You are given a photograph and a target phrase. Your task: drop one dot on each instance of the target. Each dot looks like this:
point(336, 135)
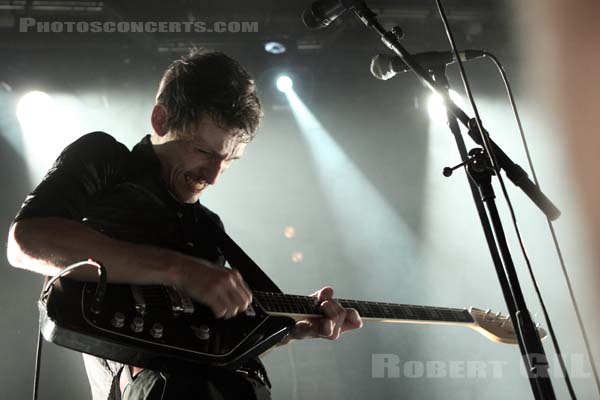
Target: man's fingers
point(327, 327)
point(306, 328)
point(324, 294)
point(219, 306)
point(244, 289)
point(238, 293)
point(337, 314)
point(352, 321)
point(335, 320)
point(229, 296)
point(223, 290)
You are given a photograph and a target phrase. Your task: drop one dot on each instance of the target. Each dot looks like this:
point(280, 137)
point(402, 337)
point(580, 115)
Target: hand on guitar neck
point(335, 321)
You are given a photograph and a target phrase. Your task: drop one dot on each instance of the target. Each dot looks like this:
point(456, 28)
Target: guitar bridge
point(180, 303)
point(250, 311)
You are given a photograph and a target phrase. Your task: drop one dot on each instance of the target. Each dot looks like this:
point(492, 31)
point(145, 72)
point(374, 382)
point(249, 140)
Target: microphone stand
point(480, 172)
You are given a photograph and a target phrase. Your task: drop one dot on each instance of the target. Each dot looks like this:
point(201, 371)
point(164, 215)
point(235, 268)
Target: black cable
point(38, 357)
point(488, 147)
point(559, 253)
point(99, 295)
point(529, 267)
point(100, 289)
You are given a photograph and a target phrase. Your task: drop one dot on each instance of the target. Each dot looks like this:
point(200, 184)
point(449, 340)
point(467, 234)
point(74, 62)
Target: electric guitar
point(159, 328)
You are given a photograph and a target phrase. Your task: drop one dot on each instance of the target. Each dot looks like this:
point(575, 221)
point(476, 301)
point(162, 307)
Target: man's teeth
point(193, 182)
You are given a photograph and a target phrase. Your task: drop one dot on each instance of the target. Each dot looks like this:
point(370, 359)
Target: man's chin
point(188, 197)
point(192, 199)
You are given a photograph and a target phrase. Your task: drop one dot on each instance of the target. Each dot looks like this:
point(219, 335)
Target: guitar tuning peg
point(498, 314)
point(487, 312)
point(507, 319)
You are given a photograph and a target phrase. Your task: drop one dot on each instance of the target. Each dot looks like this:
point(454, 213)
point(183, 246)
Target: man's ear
point(158, 119)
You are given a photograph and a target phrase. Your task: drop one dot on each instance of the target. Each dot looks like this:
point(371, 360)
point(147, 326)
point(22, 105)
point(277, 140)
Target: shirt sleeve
point(84, 168)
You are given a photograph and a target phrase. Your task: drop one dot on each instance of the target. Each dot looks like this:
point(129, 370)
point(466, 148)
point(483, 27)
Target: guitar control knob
point(137, 325)
point(156, 331)
point(202, 332)
point(118, 320)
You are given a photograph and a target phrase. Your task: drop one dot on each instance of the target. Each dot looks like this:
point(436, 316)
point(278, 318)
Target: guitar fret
point(422, 313)
point(295, 304)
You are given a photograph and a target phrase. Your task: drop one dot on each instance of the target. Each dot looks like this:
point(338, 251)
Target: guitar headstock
point(497, 327)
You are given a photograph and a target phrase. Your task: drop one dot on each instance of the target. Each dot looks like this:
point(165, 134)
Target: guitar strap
point(238, 259)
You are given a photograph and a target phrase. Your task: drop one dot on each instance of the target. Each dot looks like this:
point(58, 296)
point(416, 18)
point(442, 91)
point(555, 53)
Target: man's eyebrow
point(206, 147)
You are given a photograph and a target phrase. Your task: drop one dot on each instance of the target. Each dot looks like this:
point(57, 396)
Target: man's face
point(190, 163)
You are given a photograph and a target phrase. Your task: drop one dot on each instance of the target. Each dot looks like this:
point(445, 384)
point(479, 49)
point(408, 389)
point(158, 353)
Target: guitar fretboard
point(305, 305)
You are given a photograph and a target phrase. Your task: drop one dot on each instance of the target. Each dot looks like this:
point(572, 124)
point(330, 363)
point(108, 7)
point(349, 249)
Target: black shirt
point(98, 181)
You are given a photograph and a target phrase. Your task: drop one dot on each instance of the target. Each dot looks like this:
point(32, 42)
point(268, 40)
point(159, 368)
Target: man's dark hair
point(213, 84)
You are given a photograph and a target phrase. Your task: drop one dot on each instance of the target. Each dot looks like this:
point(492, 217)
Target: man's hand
point(223, 290)
point(336, 319)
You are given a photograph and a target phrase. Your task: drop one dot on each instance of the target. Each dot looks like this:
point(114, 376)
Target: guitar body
point(154, 327)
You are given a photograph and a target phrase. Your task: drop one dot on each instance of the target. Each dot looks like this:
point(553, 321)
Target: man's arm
point(48, 245)
point(47, 235)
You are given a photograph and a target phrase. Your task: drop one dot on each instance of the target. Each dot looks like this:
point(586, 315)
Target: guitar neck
point(305, 306)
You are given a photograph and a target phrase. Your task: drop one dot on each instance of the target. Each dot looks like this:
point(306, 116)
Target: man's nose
point(216, 168)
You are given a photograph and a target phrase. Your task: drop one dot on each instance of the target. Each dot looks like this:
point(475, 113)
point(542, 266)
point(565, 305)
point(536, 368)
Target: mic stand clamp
point(475, 157)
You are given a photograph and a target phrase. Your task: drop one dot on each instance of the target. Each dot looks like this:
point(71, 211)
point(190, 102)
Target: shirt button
point(180, 215)
point(189, 244)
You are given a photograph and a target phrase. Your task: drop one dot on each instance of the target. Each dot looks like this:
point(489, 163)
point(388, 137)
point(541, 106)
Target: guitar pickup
point(138, 299)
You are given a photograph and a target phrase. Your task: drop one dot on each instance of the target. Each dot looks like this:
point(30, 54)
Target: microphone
point(321, 13)
point(385, 66)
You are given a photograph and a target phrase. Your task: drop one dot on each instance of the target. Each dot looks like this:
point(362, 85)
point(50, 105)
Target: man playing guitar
point(138, 212)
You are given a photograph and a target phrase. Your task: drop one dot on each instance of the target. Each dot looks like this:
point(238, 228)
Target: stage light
point(48, 124)
point(34, 108)
point(289, 232)
point(383, 237)
point(437, 109)
point(297, 257)
point(284, 83)
point(275, 48)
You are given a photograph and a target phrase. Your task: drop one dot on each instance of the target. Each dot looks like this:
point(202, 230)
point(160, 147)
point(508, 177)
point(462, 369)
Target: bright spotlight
point(48, 123)
point(34, 107)
point(275, 48)
point(284, 83)
point(384, 237)
point(437, 109)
